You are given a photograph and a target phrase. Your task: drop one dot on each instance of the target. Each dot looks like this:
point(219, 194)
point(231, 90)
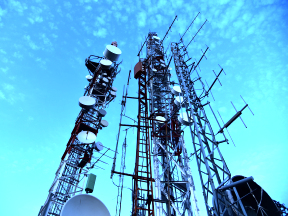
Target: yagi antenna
point(201, 58)
point(142, 46)
point(238, 113)
point(210, 91)
point(168, 29)
point(196, 33)
point(247, 105)
point(218, 78)
point(203, 53)
point(239, 116)
point(181, 38)
point(226, 129)
point(222, 69)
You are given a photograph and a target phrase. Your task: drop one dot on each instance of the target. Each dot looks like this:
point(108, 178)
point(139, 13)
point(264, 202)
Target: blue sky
point(43, 45)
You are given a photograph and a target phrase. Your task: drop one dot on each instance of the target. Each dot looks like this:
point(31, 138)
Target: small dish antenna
point(84, 204)
point(105, 64)
point(89, 77)
point(86, 137)
point(156, 38)
point(179, 100)
point(87, 102)
point(112, 53)
point(183, 119)
point(104, 123)
point(160, 120)
point(176, 90)
point(98, 146)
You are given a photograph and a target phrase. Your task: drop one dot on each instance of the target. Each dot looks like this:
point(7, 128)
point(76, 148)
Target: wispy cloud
point(30, 42)
point(17, 6)
point(8, 87)
point(142, 19)
point(101, 32)
point(4, 70)
point(2, 95)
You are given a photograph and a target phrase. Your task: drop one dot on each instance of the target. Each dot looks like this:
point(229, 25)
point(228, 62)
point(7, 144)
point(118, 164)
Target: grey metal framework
point(174, 184)
point(212, 168)
point(78, 158)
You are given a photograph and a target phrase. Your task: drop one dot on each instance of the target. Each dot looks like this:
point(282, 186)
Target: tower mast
point(77, 159)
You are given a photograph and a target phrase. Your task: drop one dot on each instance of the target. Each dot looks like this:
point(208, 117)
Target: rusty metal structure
point(82, 153)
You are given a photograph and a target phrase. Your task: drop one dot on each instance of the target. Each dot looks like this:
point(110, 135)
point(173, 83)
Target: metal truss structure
point(174, 184)
point(78, 158)
point(165, 109)
point(213, 170)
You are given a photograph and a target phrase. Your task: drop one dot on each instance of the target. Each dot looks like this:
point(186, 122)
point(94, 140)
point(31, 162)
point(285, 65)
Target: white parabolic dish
point(105, 64)
point(112, 53)
point(183, 118)
point(179, 100)
point(98, 146)
point(86, 137)
point(160, 119)
point(84, 205)
point(86, 102)
point(176, 90)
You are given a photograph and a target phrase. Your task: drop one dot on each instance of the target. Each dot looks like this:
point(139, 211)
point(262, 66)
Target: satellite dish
point(154, 70)
point(178, 100)
point(89, 77)
point(86, 137)
point(156, 38)
point(101, 112)
point(112, 53)
point(104, 123)
point(113, 93)
point(84, 205)
point(176, 90)
point(105, 64)
point(114, 89)
point(98, 146)
point(184, 119)
point(160, 120)
point(105, 80)
point(86, 102)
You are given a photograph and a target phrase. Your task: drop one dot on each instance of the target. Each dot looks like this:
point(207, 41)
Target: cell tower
point(162, 180)
point(82, 153)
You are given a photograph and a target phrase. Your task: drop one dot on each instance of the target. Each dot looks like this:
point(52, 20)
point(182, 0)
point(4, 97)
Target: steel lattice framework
point(78, 158)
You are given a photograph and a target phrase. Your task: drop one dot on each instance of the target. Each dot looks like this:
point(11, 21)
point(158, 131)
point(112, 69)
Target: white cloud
point(101, 20)
point(52, 26)
point(17, 55)
point(142, 19)
point(2, 96)
point(30, 42)
point(18, 6)
point(67, 5)
point(30, 118)
point(88, 8)
point(35, 16)
point(102, 32)
point(2, 51)
point(4, 70)
point(8, 87)
point(2, 13)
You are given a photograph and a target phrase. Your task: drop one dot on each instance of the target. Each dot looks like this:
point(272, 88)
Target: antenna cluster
point(83, 153)
point(162, 180)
